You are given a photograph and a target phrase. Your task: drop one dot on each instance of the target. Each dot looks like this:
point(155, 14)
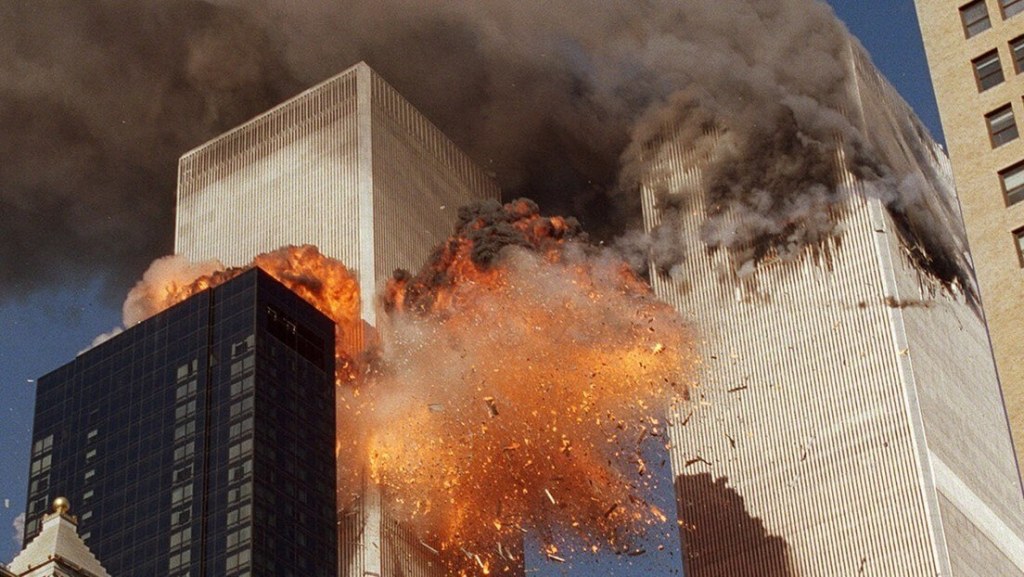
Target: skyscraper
point(351, 167)
point(200, 441)
point(348, 165)
point(849, 418)
point(976, 57)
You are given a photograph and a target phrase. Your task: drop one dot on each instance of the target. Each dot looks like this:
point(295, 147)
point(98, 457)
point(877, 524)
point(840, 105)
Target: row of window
point(988, 72)
point(988, 68)
point(975, 19)
point(179, 561)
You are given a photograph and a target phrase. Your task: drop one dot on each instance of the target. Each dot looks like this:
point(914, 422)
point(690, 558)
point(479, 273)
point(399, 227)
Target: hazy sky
point(46, 329)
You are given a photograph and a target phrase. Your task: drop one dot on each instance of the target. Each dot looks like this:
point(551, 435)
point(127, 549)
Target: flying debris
point(543, 363)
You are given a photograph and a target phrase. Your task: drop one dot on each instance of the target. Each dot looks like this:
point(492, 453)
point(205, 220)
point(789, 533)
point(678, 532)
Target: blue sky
point(42, 332)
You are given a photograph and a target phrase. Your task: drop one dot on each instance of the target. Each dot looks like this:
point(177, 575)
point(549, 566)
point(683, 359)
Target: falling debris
point(492, 407)
point(550, 498)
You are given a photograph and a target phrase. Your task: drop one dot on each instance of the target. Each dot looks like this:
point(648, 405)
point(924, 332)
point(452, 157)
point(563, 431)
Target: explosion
point(521, 379)
point(322, 281)
point(517, 384)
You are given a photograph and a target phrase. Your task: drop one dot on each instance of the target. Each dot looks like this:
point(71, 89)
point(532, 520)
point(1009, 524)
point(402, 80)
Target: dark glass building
point(199, 442)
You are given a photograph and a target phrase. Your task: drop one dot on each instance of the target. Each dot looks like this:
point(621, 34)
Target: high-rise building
point(200, 441)
point(849, 418)
point(348, 165)
point(976, 57)
point(351, 167)
point(57, 551)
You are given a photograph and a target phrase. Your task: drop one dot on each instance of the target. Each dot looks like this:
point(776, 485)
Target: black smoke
point(100, 98)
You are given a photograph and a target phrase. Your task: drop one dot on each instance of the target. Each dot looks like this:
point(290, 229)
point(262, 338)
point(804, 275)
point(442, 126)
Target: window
point(1018, 239)
point(44, 444)
point(1011, 7)
point(974, 16)
point(1012, 179)
point(1001, 126)
point(987, 70)
point(1017, 52)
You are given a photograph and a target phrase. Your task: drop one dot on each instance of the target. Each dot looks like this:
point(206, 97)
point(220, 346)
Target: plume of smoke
point(163, 277)
point(19, 528)
point(549, 97)
point(525, 401)
point(518, 381)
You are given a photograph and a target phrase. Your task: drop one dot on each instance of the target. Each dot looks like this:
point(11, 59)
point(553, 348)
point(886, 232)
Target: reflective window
point(1017, 52)
point(974, 17)
point(1001, 126)
point(1012, 179)
point(1011, 7)
point(1018, 239)
point(988, 72)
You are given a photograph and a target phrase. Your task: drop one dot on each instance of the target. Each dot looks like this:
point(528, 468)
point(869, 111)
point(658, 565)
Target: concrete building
point(199, 441)
point(348, 165)
point(976, 56)
point(849, 419)
point(351, 167)
point(57, 551)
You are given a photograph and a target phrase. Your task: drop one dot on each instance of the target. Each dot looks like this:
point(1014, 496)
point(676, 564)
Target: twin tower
point(848, 418)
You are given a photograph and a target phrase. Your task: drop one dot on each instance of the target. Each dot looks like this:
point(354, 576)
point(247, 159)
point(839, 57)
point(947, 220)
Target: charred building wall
point(848, 397)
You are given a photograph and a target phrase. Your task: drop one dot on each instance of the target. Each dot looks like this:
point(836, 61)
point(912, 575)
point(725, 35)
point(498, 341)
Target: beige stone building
point(976, 55)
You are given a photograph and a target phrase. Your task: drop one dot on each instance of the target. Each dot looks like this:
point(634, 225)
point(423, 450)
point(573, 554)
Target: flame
point(518, 387)
point(515, 384)
point(323, 282)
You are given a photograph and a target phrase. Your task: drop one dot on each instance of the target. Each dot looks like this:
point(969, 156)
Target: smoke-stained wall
point(848, 393)
point(548, 97)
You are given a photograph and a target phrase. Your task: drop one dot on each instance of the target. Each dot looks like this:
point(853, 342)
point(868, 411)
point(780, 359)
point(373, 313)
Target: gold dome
point(61, 505)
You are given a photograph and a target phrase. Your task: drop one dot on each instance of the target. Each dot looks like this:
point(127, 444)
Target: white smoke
point(19, 529)
point(147, 296)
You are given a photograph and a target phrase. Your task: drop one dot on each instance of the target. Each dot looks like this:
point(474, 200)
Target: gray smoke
point(100, 97)
point(18, 525)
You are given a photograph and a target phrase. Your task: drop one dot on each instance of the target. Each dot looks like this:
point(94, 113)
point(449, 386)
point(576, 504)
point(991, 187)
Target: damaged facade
point(864, 437)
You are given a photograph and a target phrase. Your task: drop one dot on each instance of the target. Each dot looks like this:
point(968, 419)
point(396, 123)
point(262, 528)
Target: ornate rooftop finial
point(61, 505)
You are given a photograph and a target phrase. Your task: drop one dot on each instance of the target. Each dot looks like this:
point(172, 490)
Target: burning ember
point(521, 376)
point(320, 280)
point(518, 384)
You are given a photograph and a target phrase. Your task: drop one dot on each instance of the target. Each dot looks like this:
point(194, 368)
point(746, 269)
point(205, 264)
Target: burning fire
point(322, 281)
point(522, 376)
point(517, 384)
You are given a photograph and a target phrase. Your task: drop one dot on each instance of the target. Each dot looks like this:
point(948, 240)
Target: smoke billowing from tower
point(557, 101)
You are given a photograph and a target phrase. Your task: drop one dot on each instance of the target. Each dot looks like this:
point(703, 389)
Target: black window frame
point(971, 27)
point(1000, 135)
point(982, 80)
point(1015, 195)
point(1018, 243)
point(1016, 7)
point(1016, 47)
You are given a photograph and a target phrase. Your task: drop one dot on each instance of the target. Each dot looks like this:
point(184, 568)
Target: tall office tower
point(57, 551)
point(200, 441)
point(849, 420)
point(348, 165)
point(976, 57)
point(351, 167)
